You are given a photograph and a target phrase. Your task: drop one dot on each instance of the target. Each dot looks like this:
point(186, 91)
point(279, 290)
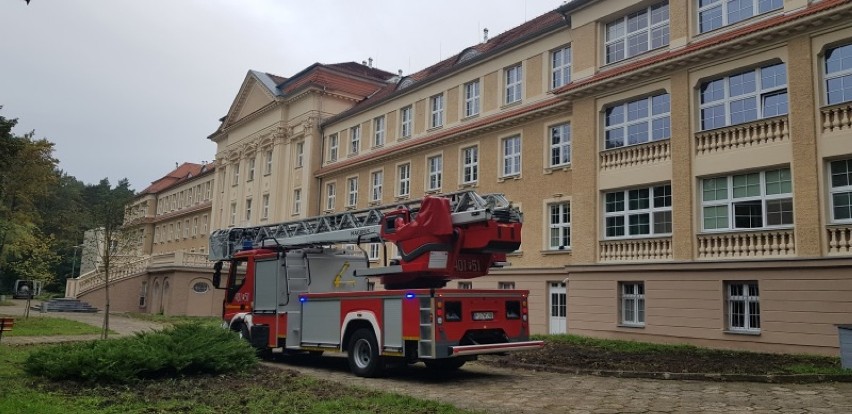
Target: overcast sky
point(128, 88)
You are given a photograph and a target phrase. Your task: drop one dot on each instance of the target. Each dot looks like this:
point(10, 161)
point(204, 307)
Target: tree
point(112, 241)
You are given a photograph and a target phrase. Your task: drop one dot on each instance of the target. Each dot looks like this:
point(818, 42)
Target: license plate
point(483, 316)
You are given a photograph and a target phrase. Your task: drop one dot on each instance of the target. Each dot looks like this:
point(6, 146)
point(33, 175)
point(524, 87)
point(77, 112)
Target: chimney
point(370, 62)
point(399, 72)
point(485, 35)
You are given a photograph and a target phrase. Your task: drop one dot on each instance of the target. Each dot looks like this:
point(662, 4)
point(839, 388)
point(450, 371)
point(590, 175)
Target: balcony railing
point(837, 117)
point(764, 131)
point(777, 243)
point(839, 240)
point(633, 250)
point(635, 155)
point(95, 279)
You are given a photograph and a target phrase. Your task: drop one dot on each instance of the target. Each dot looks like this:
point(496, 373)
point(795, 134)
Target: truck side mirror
point(217, 274)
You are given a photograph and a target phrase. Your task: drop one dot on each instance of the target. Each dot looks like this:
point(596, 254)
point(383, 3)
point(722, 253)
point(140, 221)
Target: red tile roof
point(182, 173)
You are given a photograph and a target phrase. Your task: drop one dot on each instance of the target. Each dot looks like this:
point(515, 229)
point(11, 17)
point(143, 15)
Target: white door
point(558, 308)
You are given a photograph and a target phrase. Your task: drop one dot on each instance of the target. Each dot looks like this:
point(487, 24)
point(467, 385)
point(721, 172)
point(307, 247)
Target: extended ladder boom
point(356, 226)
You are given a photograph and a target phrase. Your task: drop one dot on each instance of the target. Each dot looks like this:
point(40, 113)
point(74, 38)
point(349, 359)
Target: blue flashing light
point(247, 245)
point(303, 299)
point(409, 295)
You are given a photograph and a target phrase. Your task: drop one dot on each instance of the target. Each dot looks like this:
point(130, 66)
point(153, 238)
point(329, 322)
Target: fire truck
point(304, 286)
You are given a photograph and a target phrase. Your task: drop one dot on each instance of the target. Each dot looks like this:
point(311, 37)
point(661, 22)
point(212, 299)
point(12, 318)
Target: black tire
point(444, 365)
point(363, 354)
point(244, 333)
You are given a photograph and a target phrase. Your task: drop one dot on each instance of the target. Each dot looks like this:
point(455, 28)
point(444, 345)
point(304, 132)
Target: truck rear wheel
point(363, 354)
point(445, 365)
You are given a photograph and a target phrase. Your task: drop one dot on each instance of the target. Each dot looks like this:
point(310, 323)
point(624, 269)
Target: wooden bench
point(6, 325)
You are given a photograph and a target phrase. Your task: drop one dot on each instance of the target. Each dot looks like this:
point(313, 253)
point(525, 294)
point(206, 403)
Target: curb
point(684, 376)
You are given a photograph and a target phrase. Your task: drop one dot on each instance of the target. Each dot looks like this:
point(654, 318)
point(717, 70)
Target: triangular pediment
point(258, 90)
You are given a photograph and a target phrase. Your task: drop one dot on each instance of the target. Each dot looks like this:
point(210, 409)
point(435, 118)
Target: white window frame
point(403, 177)
point(710, 185)
point(514, 81)
point(330, 195)
point(711, 5)
point(268, 169)
point(354, 139)
point(333, 147)
point(235, 182)
point(471, 98)
point(560, 145)
point(352, 191)
point(436, 105)
point(374, 252)
point(844, 74)
point(435, 165)
point(840, 190)
point(265, 207)
point(470, 164)
point(655, 212)
point(233, 213)
point(379, 131)
point(559, 225)
point(632, 301)
point(186, 229)
point(506, 285)
point(251, 163)
point(560, 67)
point(657, 118)
point(742, 298)
point(406, 117)
point(300, 154)
point(194, 226)
point(726, 102)
point(297, 201)
point(376, 183)
point(248, 210)
point(511, 156)
point(465, 285)
point(205, 224)
point(619, 34)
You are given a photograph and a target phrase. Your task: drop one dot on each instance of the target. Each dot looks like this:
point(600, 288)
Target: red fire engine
point(302, 286)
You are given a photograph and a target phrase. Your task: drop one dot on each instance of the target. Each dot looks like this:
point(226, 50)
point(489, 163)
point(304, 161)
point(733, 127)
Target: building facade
point(684, 167)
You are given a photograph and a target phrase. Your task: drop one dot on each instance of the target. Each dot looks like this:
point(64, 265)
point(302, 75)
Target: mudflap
point(260, 336)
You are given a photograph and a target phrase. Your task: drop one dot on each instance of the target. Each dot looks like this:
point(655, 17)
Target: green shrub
point(185, 349)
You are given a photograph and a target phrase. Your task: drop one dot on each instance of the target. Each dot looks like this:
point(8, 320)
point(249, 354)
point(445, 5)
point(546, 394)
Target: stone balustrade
point(837, 117)
point(130, 268)
point(635, 155)
point(764, 131)
point(630, 250)
point(739, 245)
point(839, 240)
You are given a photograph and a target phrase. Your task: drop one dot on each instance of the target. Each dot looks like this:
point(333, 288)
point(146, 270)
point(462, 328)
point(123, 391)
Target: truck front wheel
point(363, 350)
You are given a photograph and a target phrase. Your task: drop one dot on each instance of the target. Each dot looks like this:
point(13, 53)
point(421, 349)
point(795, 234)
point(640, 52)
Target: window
point(514, 79)
point(506, 285)
point(208, 190)
point(297, 201)
point(632, 303)
point(637, 122)
point(405, 121)
point(300, 151)
point(200, 287)
point(466, 285)
point(171, 232)
point(403, 173)
point(512, 156)
point(560, 145)
point(251, 169)
point(376, 179)
point(838, 74)
point(436, 170)
point(236, 180)
point(639, 212)
point(194, 226)
point(743, 306)
point(354, 139)
point(744, 97)
point(177, 230)
point(248, 210)
point(471, 98)
point(205, 224)
point(754, 200)
point(637, 33)
point(268, 169)
point(330, 195)
point(233, 213)
point(436, 103)
point(189, 197)
point(352, 196)
point(470, 165)
point(332, 147)
point(841, 191)
point(373, 253)
point(713, 14)
point(560, 67)
point(186, 228)
point(560, 226)
point(379, 131)
point(264, 214)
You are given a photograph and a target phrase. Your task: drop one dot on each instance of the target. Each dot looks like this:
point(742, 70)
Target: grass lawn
point(264, 390)
point(173, 319)
point(48, 326)
point(7, 303)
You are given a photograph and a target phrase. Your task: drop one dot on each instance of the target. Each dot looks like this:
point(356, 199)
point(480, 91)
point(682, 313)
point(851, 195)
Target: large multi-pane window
point(754, 200)
point(560, 145)
point(233, 214)
point(405, 121)
point(560, 67)
point(632, 303)
point(436, 171)
point(637, 33)
point(838, 74)
point(379, 131)
point(559, 224)
point(514, 83)
point(436, 104)
point(471, 98)
point(376, 181)
point(330, 196)
point(511, 156)
point(297, 201)
point(300, 154)
point(333, 144)
point(403, 174)
point(743, 306)
point(744, 97)
point(251, 162)
point(713, 14)
point(470, 165)
point(352, 196)
point(841, 191)
point(248, 210)
point(639, 212)
point(354, 139)
point(264, 212)
point(235, 181)
point(374, 252)
point(268, 169)
point(638, 121)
